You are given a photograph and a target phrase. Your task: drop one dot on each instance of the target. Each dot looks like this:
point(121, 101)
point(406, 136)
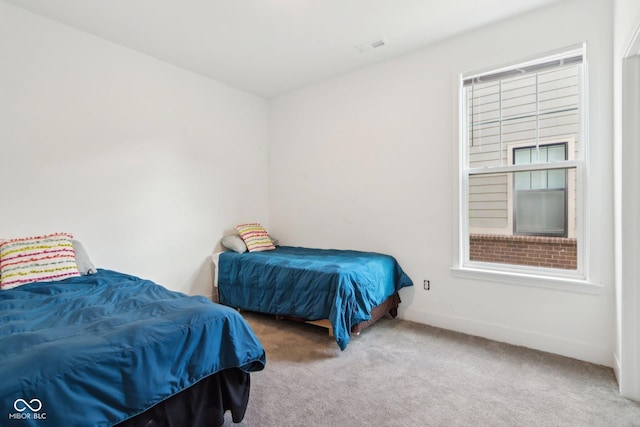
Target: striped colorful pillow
point(255, 237)
point(37, 259)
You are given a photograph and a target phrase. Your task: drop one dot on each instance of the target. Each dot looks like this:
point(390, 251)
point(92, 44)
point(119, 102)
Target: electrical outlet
point(427, 285)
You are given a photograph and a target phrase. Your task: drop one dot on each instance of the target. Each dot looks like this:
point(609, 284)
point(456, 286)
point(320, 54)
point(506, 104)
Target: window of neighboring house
point(522, 150)
point(540, 197)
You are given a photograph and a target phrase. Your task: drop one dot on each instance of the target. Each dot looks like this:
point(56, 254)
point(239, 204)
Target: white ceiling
point(269, 47)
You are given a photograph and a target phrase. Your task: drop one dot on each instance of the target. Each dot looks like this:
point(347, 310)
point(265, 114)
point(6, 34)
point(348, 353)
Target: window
point(522, 150)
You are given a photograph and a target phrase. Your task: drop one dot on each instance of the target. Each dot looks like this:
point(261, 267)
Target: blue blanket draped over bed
point(98, 349)
point(340, 285)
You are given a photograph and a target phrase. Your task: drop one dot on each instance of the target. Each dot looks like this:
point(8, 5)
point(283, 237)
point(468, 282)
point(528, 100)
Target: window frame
point(522, 274)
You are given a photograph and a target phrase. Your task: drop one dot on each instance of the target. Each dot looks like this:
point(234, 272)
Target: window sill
point(525, 279)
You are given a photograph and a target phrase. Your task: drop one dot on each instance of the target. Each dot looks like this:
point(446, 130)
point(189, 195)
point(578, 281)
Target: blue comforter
point(340, 285)
point(98, 349)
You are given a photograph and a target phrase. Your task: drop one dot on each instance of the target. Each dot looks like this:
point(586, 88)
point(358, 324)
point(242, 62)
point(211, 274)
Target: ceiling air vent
point(371, 45)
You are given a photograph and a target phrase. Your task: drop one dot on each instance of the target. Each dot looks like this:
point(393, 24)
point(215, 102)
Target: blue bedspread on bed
point(98, 349)
point(340, 285)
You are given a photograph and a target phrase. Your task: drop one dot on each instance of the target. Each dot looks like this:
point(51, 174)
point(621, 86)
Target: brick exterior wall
point(551, 252)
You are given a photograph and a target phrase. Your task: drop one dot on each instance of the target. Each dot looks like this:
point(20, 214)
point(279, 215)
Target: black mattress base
point(202, 404)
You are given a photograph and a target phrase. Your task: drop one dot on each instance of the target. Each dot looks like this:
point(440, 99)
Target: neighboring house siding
point(488, 202)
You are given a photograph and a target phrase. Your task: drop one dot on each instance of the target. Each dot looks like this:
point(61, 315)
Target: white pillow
point(85, 266)
point(234, 242)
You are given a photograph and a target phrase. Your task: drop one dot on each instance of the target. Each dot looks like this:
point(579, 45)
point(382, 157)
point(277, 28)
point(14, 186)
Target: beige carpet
point(399, 373)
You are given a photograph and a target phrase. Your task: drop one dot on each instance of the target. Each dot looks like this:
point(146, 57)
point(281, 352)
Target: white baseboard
point(550, 344)
point(616, 366)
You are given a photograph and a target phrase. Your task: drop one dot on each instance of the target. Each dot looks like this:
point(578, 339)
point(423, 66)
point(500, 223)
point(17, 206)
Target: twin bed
point(348, 289)
point(107, 349)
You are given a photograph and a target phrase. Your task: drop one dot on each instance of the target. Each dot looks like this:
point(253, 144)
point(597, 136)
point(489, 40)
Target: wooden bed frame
point(388, 306)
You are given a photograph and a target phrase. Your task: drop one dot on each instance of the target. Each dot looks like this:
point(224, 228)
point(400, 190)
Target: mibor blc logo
point(28, 410)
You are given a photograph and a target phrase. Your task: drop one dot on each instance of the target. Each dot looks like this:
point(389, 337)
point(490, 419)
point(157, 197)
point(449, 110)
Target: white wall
point(369, 161)
point(627, 193)
point(145, 163)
